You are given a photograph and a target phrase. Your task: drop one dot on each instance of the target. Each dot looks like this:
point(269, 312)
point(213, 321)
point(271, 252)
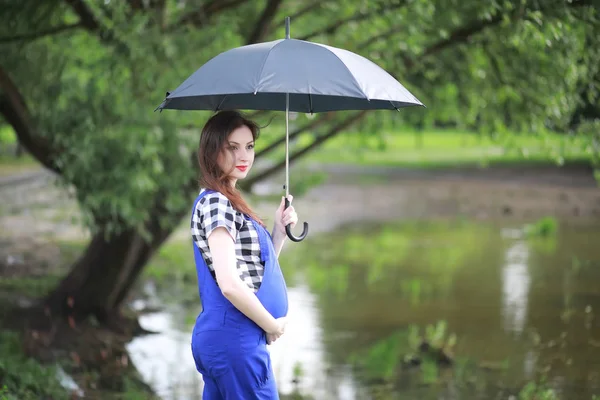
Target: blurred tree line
point(79, 80)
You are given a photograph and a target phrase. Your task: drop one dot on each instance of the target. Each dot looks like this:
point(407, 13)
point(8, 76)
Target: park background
point(453, 249)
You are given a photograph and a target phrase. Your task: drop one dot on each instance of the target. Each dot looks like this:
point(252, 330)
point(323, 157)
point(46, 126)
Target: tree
point(79, 79)
point(88, 117)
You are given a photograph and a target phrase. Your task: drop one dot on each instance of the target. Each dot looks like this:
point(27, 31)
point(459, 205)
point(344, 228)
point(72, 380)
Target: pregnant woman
point(241, 287)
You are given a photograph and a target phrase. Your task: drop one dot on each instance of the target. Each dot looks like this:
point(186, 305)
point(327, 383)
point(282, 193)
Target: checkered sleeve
point(216, 211)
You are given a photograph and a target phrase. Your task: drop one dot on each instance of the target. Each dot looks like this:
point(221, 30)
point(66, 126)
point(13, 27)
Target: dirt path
point(380, 193)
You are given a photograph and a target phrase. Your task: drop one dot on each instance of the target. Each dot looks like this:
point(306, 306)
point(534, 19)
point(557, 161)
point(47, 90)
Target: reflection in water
point(478, 278)
point(303, 346)
point(300, 346)
point(165, 360)
point(529, 364)
point(515, 286)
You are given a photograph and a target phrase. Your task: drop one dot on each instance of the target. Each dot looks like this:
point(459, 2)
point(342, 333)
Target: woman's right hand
point(277, 331)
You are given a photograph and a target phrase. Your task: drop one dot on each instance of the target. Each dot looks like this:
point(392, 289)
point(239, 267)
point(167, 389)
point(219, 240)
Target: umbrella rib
point(351, 74)
point(221, 102)
point(262, 67)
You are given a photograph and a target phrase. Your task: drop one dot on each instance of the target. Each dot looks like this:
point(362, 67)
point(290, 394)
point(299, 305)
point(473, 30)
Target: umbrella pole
point(287, 117)
point(287, 145)
point(287, 153)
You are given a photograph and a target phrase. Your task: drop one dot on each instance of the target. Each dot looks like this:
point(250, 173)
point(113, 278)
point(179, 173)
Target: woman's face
point(237, 157)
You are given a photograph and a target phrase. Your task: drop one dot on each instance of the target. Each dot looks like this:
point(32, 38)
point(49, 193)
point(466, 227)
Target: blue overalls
point(229, 349)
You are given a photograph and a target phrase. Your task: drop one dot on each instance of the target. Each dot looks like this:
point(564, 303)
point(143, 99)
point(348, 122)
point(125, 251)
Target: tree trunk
point(102, 277)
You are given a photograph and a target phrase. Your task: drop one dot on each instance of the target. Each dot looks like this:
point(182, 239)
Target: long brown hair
point(213, 140)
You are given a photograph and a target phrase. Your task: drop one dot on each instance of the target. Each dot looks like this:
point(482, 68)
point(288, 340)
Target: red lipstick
point(242, 168)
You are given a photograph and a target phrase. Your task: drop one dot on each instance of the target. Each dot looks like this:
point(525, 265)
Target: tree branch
point(40, 34)
point(300, 13)
point(156, 7)
point(247, 184)
point(262, 25)
point(91, 24)
point(14, 110)
point(462, 34)
point(333, 27)
point(465, 33)
point(161, 14)
point(200, 17)
point(383, 35)
point(281, 140)
point(88, 20)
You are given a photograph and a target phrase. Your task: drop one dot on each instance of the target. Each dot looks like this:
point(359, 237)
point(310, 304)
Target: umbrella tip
point(163, 104)
point(287, 27)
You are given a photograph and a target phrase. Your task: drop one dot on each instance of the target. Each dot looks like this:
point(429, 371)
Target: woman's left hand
point(285, 217)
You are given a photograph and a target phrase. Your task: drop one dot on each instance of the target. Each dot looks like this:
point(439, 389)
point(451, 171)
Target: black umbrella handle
point(288, 228)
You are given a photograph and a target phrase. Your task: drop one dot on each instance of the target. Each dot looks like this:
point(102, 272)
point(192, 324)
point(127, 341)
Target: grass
point(23, 378)
point(10, 165)
point(443, 148)
point(411, 149)
point(29, 286)
point(173, 261)
point(7, 135)
point(35, 284)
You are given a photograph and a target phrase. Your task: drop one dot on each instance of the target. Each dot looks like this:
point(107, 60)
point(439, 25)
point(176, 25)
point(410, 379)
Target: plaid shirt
point(214, 210)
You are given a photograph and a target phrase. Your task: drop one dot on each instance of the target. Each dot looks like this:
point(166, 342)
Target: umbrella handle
point(288, 229)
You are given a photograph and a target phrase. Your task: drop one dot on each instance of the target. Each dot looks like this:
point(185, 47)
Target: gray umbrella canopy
point(317, 77)
point(289, 75)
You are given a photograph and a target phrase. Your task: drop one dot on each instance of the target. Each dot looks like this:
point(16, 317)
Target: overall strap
point(207, 288)
point(200, 196)
point(263, 239)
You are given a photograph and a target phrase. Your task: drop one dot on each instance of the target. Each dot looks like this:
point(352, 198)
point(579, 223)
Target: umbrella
point(289, 75)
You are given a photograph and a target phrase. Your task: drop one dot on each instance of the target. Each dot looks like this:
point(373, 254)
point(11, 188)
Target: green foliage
point(537, 391)
point(7, 136)
point(133, 391)
point(9, 165)
point(407, 147)
point(93, 99)
point(381, 359)
point(516, 69)
point(544, 227)
point(22, 378)
point(436, 334)
point(489, 66)
point(303, 182)
point(29, 286)
point(381, 256)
